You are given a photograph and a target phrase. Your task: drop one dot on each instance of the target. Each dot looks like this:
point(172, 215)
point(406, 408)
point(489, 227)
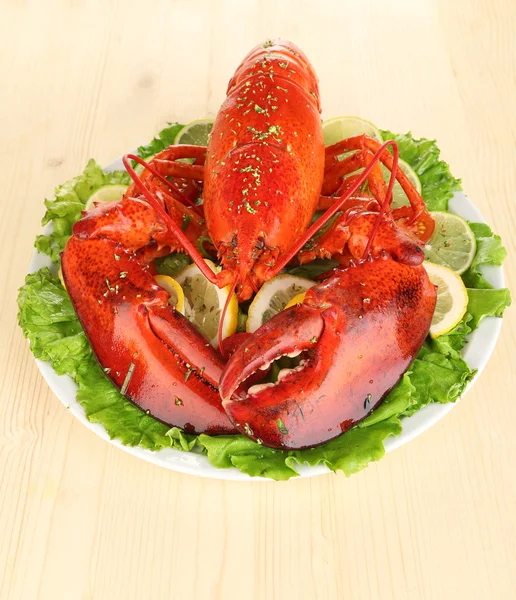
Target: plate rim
point(192, 463)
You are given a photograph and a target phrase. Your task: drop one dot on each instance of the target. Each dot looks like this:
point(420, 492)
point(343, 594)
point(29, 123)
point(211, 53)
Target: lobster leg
point(336, 170)
point(326, 202)
point(183, 182)
point(135, 224)
point(167, 165)
point(363, 142)
point(414, 217)
point(351, 232)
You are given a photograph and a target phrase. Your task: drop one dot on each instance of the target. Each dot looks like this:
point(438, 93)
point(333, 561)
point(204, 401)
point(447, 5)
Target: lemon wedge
point(60, 275)
point(340, 128)
point(177, 298)
point(204, 302)
point(452, 298)
point(273, 297)
point(195, 133)
point(452, 244)
point(107, 193)
point(299, 299)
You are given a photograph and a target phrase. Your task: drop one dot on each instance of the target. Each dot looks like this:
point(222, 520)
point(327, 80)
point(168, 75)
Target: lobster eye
point(409, 253)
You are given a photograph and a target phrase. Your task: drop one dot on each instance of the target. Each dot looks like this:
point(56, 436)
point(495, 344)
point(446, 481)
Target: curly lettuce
point(165, 138)
point(437, 182)
point(69, 201)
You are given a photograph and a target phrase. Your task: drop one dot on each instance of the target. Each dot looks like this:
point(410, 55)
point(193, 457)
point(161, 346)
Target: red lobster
point(263, 175)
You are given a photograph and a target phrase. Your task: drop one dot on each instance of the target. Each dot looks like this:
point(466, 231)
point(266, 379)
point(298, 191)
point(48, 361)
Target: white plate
point(477, 353)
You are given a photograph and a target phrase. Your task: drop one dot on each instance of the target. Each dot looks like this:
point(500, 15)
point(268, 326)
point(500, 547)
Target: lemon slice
point(340, 128)
point(452, 244)
point(177, 298)
point(107, 193)
point(204, 302)
point(60, 275)
point(195, 133)
point(273, 297)
point(299, 299)
point(452, 298)
point(399, 198)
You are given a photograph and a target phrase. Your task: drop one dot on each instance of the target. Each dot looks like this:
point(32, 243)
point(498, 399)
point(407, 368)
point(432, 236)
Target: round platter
point(477, 352)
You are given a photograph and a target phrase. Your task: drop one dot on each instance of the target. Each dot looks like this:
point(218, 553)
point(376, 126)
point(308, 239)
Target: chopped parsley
point(127, 379)
point(281, 427)
point(186, 222)
point(189, 371)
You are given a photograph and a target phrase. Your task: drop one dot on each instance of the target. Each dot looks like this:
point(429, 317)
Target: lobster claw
point(357, 333)
point(150, 351)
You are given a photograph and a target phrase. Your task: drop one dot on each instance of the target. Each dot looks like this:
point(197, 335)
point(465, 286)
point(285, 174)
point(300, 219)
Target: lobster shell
point(264, 162)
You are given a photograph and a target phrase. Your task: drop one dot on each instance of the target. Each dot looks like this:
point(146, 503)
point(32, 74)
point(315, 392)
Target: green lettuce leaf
point(48, 320)
point(165, 138)
point(104, 404)
point(484, 300)
point(437, 378)
point(352, 451)
point(451, 344)
point(172, 264)
point(70, 198)
point(313, 269)
point(437, 182)
point(487, 303)
point(349, 452)
point(397, 402)
point(489, 252)
point(225, 451)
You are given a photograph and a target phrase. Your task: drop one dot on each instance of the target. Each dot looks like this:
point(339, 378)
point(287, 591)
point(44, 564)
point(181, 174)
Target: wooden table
point(81, 520)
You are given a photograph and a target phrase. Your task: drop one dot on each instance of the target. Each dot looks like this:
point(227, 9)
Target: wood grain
point(82, 520)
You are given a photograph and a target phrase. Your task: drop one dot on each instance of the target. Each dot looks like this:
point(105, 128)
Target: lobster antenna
point(388, 197)
point(193, 252)
point(321, 222)
point(223, 316)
